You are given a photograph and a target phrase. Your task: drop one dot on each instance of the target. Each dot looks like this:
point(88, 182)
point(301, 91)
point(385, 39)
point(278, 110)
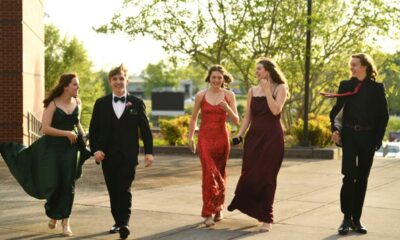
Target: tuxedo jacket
point(132, 120)
point(377, 110)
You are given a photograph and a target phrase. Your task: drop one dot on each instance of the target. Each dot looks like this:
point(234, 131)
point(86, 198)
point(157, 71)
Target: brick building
point(21, 68)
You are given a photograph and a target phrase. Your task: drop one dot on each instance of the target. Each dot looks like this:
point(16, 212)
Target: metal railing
point(34, 128)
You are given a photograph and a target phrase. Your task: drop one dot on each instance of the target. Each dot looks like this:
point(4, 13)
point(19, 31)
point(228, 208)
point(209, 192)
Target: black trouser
point(119, 174)
point(358, 153)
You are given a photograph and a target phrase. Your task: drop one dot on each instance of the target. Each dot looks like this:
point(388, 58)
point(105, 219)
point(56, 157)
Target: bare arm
point(276, 105)
point(247, 116)
point(195, 115)
point(230, 108)
point(79, 125)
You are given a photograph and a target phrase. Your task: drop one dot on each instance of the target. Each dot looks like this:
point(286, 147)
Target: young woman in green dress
point(49, 167)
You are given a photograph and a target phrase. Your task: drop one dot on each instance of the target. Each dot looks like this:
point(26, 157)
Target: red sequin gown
point(213, 149)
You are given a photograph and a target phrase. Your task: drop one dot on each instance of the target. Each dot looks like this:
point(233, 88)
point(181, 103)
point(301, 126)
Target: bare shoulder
point(229, 93)
point(282, 87)
point(200, 94)
point(78, 101)
point(250, 91)
point(51, 107)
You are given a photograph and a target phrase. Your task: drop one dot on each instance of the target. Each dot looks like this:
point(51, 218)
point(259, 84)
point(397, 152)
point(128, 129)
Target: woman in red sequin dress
point(263, 147)
point(216, 104)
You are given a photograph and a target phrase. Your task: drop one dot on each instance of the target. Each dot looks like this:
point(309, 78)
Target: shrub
point(393, 126)
point(319, 130)
point(240, 109)
point(174, 131)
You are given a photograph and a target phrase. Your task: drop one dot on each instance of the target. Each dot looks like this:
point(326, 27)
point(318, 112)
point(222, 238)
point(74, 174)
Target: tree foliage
point(63, 55)
point(236, 33)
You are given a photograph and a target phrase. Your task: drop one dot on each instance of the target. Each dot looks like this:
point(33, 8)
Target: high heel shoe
point(52, 223)
point(218, 216)
point(66, 228)
point(209, 221)
point(265, 227)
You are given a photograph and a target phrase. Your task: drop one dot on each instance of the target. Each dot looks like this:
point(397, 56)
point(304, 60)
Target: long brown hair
point(368, 62)
point(58, 90)
point(218, 68)
point(273, 69)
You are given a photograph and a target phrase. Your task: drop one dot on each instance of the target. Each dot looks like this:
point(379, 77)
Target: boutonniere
point(130, 108)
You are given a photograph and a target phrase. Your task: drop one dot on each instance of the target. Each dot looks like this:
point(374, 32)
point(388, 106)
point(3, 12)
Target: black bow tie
point(116, 99)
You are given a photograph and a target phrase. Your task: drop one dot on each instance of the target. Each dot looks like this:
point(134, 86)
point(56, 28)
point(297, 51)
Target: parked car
point(379, 152)
point(393, 150)
point(394, 136)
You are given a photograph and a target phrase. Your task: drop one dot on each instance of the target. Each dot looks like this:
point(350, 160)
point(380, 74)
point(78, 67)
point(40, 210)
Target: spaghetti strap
point(274, 93)
point(226, 98)
point(204, 95)
point(54, 103)
point(78, 102)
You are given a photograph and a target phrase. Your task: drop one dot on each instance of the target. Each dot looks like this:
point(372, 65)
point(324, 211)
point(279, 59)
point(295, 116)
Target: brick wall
point(21, 65)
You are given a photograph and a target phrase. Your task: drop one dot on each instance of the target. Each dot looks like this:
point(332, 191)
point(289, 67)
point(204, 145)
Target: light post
point(305, 141)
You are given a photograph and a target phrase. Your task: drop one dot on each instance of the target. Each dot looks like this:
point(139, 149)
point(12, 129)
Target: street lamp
point(305, 141)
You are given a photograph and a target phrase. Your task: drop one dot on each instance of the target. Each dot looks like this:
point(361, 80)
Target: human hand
point(237, 139)
point(148, 160)
point(72, 137)
point(99, 156)
point(336, 137)
point(224, 105)
point(192, 146)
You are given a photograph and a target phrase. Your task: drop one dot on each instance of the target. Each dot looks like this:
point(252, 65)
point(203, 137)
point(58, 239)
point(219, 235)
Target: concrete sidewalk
point(167, 204)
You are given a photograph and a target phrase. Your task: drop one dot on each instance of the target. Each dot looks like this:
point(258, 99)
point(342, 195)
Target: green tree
point(193, 72)
point(158, 76)
point(63, 55)
point(236, 33)
point(53, 56)
point(390, 72)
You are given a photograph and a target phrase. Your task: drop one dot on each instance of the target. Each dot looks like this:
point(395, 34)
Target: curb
point(237, 152)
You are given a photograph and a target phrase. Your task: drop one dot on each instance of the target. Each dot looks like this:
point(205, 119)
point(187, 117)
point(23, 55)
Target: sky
point(76, 18)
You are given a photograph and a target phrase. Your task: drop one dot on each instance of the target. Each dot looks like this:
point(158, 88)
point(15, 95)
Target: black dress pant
point(358, 153)
point(119, 174)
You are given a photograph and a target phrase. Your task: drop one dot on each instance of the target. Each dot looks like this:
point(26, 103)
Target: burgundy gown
point(262, 159)
point(213, 152)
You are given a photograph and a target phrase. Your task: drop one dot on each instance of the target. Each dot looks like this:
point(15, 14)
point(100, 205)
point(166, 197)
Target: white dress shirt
point(119, 107)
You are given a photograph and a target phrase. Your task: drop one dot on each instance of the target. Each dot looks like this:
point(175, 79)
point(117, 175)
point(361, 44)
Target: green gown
point(49, 167)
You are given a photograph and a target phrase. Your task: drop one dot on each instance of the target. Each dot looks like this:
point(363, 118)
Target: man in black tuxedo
point(114, 141)
point(365, 116)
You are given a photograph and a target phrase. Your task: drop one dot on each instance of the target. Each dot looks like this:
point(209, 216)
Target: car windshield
point(393, 149)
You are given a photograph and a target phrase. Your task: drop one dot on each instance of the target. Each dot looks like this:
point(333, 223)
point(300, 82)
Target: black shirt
point(356, 110)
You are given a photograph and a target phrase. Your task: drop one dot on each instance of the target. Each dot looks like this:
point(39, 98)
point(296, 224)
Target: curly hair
point(227, 76)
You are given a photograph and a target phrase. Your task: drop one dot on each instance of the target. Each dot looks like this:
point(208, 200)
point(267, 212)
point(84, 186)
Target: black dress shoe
point(114, 229)
point(359, 227)
point(345, 226)
point(124, 232)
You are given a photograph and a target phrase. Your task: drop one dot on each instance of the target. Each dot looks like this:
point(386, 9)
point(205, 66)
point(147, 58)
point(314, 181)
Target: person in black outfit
point(114, 141)
point(365, 116)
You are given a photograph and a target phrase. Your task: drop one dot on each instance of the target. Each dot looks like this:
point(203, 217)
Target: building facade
point(21, 68)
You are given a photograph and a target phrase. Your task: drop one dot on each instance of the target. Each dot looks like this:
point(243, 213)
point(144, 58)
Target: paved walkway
point(167, 204)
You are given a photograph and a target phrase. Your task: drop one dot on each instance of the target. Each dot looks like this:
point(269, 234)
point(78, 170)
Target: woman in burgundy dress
point(216, 104)
point(263, 146)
